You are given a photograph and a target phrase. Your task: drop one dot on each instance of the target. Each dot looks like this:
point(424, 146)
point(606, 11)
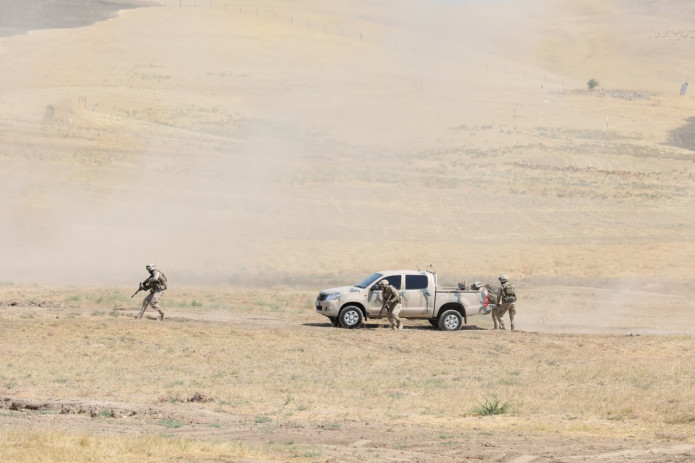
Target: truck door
point(417, 300)
point(374, 299)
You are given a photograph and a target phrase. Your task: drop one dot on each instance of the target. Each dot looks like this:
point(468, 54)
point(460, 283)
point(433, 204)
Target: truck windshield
point(367, 282)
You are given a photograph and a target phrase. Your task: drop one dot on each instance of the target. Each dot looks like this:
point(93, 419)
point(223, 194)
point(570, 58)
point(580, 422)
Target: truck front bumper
point(327, 308)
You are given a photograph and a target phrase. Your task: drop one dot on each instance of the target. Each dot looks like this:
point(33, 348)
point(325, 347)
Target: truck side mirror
point(375, 288)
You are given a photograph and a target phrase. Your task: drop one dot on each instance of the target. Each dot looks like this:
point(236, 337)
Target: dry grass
point(27, 445)
point(266, 359)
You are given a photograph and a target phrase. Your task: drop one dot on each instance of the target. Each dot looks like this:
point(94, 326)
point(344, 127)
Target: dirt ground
point(327, 433)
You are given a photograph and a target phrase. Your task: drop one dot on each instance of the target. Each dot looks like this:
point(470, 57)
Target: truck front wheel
point(450, 320)
point(350, 317)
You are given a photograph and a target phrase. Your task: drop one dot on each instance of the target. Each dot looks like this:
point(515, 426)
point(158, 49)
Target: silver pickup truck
point(445, 308)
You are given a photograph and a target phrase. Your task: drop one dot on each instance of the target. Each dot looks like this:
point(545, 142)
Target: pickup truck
point(445, 308)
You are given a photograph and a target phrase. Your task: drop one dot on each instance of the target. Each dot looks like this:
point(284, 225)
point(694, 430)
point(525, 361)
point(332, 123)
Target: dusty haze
point(309, 143)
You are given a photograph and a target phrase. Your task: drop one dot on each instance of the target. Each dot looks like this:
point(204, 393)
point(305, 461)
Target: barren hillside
point(285, 143)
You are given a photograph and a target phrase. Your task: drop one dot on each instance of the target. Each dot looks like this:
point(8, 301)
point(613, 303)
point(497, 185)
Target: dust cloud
point(308, 144)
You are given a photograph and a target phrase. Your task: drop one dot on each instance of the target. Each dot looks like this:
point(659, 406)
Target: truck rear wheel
point(451, 320)
point(350, 317)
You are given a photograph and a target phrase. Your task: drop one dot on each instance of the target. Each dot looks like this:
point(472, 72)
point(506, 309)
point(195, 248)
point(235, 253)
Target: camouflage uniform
point(392, 300)
point(157, 284)
point(493, 301)
point(502, 308)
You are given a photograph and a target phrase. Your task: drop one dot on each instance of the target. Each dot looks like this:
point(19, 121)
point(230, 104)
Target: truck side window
point(416, 282)
point(394, 280)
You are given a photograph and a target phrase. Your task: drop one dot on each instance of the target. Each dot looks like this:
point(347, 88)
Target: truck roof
point(420, 272)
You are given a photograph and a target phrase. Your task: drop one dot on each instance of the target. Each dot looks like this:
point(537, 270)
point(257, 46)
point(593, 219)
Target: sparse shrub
point(170, 423)
point(106, 413)
point(491, 406)
point(592, 83)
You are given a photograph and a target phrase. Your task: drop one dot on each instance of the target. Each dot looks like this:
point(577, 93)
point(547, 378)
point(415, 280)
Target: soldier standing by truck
point(156, 284)
point(492, 298)
point(392, 303)
point(506, 296)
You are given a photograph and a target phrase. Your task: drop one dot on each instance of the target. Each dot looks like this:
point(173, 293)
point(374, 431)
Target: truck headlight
point(332, 297)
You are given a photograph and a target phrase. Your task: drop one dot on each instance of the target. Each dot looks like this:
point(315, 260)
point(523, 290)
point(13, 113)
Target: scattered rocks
point(198, 397)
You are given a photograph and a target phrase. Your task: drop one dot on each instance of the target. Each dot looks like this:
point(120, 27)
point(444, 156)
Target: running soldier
point(506, 296)
point(392, 303)
point(156, 284)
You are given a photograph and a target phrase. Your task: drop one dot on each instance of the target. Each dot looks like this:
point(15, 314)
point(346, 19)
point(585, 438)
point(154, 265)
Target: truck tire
point(350, 317)
point(451, 320)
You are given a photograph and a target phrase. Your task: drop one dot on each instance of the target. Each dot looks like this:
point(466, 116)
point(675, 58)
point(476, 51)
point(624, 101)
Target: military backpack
point(508, 293)
point(162, 281)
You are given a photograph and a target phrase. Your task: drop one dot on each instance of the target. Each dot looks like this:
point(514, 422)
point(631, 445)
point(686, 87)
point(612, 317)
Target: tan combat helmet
point(384, 283)
point(150, 267)
point(503, 279)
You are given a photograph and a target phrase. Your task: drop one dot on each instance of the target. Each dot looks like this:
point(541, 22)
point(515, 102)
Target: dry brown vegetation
point(257, 375)
point(301, 145)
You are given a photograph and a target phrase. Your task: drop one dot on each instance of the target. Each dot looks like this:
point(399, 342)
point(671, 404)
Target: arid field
point(259, 152)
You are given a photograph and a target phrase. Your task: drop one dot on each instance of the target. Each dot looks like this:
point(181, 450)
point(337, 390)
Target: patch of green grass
point(491, 406)
point(106, 413)
point(170, 423)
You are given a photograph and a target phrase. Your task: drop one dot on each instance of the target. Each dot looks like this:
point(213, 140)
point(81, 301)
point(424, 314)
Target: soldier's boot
point(162, 314)
point(502, 326)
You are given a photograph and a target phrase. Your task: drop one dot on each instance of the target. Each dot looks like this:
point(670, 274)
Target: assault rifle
point(141, 288)
point(383, 306)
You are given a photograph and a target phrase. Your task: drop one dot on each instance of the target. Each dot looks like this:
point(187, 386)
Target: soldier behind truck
point(156, 284)
point(506, 297)
point(492, 298)
point(392, 302)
